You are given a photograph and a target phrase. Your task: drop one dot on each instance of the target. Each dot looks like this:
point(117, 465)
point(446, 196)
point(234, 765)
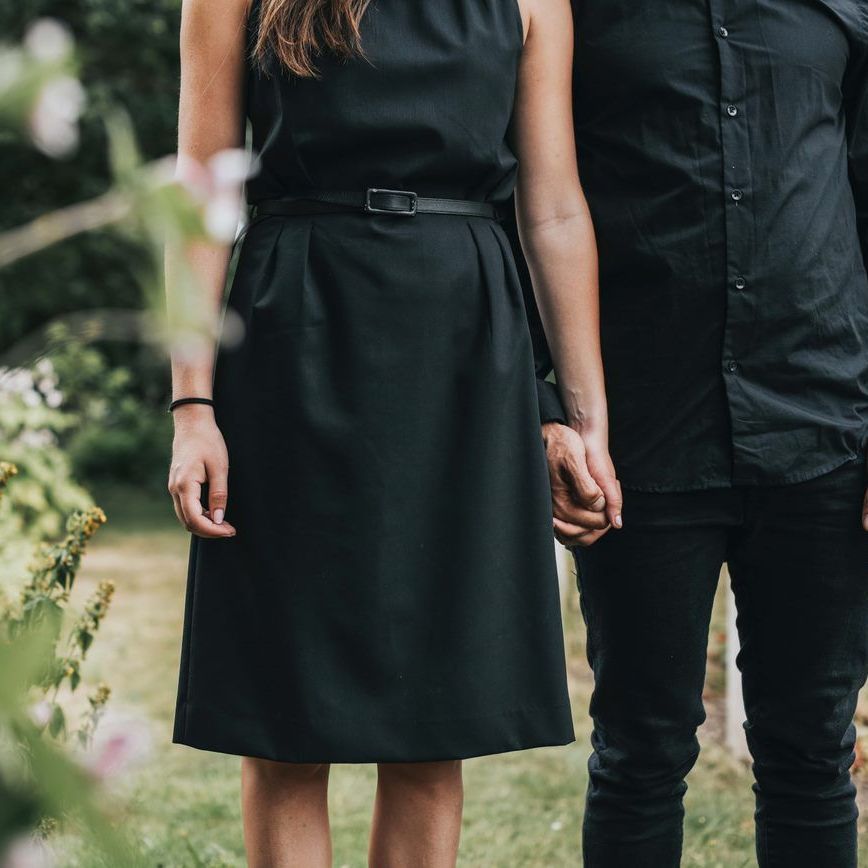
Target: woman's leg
point(286, 821)
point(417, 815)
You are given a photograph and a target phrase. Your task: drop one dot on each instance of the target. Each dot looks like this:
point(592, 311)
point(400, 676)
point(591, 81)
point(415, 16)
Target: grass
point(181, 807)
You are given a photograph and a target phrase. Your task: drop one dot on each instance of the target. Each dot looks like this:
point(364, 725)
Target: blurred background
point(90, 616)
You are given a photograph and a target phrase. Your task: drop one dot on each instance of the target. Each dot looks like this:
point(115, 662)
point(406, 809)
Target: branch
point(56, 226)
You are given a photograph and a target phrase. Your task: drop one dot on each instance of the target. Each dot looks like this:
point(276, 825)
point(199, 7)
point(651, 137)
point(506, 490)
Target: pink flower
point(120, 742)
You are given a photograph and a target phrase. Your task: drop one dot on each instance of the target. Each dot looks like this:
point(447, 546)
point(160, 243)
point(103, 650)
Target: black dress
point(391, 593)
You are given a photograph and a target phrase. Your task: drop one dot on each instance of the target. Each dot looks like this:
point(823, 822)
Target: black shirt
point(723, 148)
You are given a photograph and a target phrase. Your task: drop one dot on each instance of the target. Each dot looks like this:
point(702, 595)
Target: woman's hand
point(586, 494)
point(199, 456)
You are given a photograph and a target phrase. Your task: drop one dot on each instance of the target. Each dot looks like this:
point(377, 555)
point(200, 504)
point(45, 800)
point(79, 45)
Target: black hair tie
point(181, 401)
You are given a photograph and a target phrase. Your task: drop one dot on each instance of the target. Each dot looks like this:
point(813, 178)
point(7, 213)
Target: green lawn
point(181, 807)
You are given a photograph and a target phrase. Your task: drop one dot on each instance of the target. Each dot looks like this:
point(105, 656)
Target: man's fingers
point(865, 512)
point(176, 503)
point(569, 512)
point(582, 485)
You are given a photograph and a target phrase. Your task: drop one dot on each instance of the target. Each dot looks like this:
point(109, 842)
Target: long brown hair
point(296, 32)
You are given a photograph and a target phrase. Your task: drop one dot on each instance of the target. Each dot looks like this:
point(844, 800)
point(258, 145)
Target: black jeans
point(798, 559)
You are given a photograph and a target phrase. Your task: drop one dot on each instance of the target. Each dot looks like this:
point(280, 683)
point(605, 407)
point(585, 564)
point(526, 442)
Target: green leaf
point(57, 721)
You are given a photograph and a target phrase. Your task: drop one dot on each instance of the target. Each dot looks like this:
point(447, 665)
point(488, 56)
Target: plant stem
point(64, 223)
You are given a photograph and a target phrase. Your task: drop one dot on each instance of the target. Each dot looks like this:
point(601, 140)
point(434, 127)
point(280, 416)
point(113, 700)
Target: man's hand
point(586, 495)
point(865, 512)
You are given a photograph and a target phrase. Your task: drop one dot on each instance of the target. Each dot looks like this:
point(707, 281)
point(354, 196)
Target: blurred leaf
point(57, 721)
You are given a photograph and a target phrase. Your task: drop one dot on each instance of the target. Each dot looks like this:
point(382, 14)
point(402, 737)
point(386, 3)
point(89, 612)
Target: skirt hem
point(442, 740)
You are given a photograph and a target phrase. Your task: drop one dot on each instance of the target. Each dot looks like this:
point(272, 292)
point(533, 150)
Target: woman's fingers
point(614, 501)
point(571, 535)
point(218, 490)
point(194, 515)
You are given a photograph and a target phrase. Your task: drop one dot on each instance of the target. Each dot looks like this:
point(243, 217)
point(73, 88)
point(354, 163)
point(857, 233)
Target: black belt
point(396, 203)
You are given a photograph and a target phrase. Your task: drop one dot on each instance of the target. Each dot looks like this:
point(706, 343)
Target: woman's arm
point(209, 121)
point(557, 235)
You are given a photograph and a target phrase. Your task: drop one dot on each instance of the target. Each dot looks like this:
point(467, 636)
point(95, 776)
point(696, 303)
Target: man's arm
point(856, 110)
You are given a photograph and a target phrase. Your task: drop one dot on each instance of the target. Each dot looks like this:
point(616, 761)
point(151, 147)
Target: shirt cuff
point(550, 407)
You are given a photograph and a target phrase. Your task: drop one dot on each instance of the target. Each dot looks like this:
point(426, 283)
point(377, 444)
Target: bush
point(122, 431)
point(98, 270)
point(101, 269)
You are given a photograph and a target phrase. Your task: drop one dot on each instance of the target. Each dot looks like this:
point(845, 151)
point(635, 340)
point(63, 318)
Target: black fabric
point(391, 594)
point(548, 398)
point(798, 557)
point(723, 148)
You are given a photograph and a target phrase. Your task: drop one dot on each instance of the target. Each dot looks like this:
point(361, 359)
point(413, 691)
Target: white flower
point(54, 119)
point(48, 40)
point(44, 367)
point(40, 713)
point(556, 826)
point(37, 438)
point(31, 398)
point(229, 167)
point(54, 398)
point(27, 852)
point(222, 216)
point(217, 187)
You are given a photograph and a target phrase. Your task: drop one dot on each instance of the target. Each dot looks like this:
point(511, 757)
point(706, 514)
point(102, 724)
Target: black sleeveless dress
point(391, 593)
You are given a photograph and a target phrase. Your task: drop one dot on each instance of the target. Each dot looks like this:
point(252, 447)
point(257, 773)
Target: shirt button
point(722, 32)
point(732, 110)
point(732, 366)
point(740, 283)
point(737, 195)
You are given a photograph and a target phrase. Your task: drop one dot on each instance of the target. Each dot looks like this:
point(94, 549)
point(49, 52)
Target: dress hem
point(524, 729)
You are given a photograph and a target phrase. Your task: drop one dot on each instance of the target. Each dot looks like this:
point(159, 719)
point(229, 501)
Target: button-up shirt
point(723, 149)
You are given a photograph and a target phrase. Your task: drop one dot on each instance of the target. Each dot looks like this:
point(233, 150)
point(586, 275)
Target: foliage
point(100, 269)
point(31, 425)
point(39, 779)
point(103, 269)
point(118, 432)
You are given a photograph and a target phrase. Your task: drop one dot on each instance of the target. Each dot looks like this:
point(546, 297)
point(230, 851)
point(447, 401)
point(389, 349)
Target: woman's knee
point(430, 776)
point(280, 774)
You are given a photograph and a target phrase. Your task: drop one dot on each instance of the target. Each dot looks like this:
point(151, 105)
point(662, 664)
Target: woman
point(374, 582)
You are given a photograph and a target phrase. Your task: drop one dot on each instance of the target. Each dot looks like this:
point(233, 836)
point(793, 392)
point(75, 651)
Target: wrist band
point(181, 401)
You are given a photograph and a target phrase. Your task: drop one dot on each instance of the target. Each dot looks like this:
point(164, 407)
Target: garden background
point(82, 416)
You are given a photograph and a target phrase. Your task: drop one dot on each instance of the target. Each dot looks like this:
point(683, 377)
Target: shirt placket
point(728, 20)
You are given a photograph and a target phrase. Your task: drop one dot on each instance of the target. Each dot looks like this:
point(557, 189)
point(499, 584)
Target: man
point(723, 147)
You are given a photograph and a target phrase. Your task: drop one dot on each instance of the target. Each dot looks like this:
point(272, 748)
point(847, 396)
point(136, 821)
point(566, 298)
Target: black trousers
point(798, 559)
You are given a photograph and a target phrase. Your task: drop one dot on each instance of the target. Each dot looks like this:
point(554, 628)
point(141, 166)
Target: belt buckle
point(373, 192)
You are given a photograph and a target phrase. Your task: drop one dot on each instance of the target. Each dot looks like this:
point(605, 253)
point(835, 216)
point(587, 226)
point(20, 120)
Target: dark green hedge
point(128, 52)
